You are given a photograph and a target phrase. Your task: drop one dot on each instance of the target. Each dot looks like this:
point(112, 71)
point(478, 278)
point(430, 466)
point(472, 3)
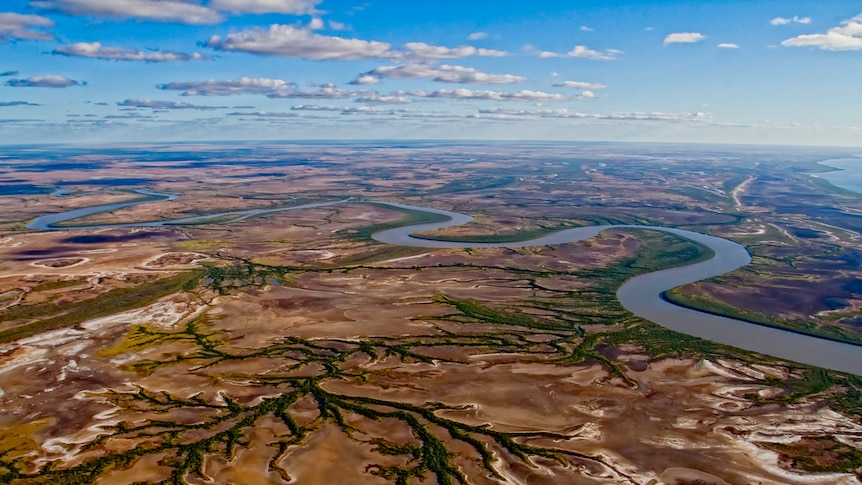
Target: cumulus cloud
point(271, 88)
point(365, 79)
point(317, 107)
point(178, 11)
point(383, 99)
point(326, 91)
point(14, 26)
point(400, 113)
point(477, 36)
point(96, 50)
point(293, 41)
point(846, 37)
point(316, 24)
point(684, 38)
point(421, 50)
point(443, 73)
point(796, 19)
point(727, 45)
point(213, 87)
point(584, 28)
point(377, 111)
point(469, 94)
point(579, 85)
point(44, 82)
point(17, 103)
point(584, 52)
point(294, 7)
point(154, 104)
point(263, 114)
point(304, 43)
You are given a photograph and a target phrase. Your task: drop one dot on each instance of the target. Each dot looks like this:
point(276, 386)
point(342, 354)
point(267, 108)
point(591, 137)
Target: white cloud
point(365, 79)
point(727, 45)
point(620, 116)
point(381, 99)
point(400, 113)
point(326, 91)
point(96, 50)
point(442, 73)
point(24, 27)
point(684, 38)
point(584, 52)
point(271, 88)
point(477, 36)
point(153, 104)
point(293, 41)
point(294, 7)
point(846, 37)
point(377, 111)
point(579, 85)
point(50, 81)
point(243, 85)
point(178, 11)
point(264, 114)
point(421, 50)
point(316, 24)
point(584, 28)
point(796, 19)
point(317, 107)
point(469, 94)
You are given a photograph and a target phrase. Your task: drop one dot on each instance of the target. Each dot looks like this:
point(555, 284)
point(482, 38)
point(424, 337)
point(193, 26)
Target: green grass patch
point(659, 250)
point(467, 184)
point(108, 303)
point(733, 182)
point(56, 285)
point(820, 455)
point(245, 274)
point(700, 194)
point(498, 238)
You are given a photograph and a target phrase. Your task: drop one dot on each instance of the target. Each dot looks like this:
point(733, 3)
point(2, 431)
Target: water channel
point(641, 295)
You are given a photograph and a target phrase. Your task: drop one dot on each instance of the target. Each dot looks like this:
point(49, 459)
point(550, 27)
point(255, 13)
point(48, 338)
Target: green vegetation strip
point(703, 303)
point(108, 303)
point(497, 238)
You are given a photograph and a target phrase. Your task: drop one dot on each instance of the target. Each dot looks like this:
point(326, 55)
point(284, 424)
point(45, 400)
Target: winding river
point(641, 295)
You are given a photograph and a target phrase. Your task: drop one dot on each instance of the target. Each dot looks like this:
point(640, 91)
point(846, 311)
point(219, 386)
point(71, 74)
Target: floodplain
point(293, 348)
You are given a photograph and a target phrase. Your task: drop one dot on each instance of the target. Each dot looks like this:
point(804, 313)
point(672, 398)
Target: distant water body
point(849, 175)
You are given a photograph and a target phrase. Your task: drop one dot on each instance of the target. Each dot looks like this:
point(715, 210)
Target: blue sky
point(776, 72)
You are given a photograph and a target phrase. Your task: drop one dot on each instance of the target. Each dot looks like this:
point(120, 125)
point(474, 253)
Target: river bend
point(641, 295)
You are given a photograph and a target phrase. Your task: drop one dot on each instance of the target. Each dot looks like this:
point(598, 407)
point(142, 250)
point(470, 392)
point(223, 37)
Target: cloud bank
point(96, 50)
point(584, 52)
point(176, 11)
point(50, 81)
point(292, 41)
point(14, 26)
point(443, 73)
